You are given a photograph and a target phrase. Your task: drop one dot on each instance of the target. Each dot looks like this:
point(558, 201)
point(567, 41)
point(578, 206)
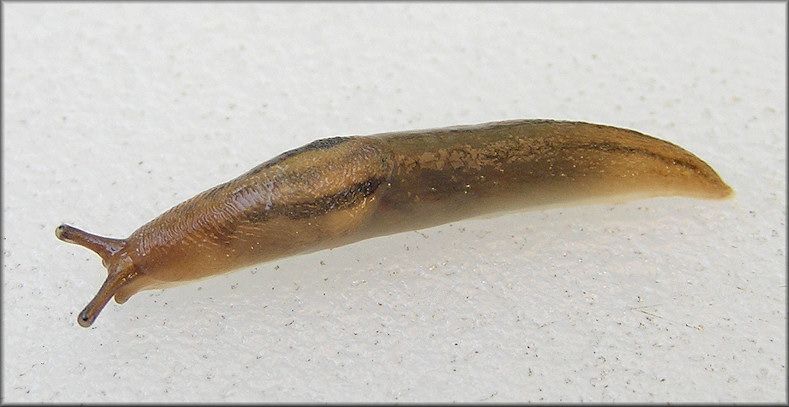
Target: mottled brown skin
point(341, 190)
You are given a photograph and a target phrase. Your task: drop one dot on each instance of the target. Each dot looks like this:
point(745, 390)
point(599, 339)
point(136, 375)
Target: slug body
point(340, 190)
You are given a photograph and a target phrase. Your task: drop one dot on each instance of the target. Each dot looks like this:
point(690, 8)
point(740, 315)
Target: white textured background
point(113, 113)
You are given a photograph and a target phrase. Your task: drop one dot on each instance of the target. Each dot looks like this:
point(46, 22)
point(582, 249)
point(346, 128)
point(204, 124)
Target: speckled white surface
point(113, 113)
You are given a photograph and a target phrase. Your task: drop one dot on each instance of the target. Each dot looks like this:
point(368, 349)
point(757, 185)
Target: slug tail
point(724, 192)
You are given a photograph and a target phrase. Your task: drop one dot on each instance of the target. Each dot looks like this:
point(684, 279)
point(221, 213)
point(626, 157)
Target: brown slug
point(340, 190)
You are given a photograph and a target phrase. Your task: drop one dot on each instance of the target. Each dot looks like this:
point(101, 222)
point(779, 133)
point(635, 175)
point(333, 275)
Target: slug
point(341, 190)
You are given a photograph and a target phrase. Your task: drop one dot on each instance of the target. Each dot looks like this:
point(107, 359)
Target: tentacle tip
point(85, 319)
point(122, 296)
point(61, 232)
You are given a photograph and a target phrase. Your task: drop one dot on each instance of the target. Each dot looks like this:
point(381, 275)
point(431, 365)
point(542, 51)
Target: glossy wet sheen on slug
point(340, 190)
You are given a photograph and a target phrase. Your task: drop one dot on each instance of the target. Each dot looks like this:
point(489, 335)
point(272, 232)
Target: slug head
point(121, 270)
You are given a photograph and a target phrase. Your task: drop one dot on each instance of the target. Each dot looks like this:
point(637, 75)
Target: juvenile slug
point(340, 190)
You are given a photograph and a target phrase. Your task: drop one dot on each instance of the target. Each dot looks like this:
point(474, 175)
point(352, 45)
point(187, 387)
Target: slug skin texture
point(340, 190)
